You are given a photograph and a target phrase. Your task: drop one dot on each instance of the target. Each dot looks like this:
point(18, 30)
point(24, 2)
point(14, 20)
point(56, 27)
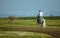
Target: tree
point(51, 16)
point(11, 18)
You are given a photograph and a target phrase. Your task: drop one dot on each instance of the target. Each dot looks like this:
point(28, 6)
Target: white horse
point(42, 22)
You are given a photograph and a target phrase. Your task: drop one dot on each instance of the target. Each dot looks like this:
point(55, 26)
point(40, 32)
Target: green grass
point(53, 23)
point(20, 34)
point(49, 23)
point(23, 23)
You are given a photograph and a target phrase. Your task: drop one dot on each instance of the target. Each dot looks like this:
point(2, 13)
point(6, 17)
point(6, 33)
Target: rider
point(40, 14)
point(40, 19)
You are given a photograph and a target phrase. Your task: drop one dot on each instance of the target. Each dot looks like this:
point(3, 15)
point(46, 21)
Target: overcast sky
point(29, 7)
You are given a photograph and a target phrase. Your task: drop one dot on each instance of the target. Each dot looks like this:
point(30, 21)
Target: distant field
point(29, 22)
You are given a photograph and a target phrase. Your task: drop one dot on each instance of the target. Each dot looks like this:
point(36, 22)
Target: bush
point(11, 18)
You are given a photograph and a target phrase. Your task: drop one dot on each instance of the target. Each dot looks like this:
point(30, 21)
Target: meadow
point(51, 22)
point(26, 21)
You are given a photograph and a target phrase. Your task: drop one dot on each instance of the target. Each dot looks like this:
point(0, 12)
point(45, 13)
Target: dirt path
point(55, 32)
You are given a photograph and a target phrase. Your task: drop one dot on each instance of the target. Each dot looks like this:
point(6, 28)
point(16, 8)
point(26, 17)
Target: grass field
point(21, 34)
point(50, 23)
